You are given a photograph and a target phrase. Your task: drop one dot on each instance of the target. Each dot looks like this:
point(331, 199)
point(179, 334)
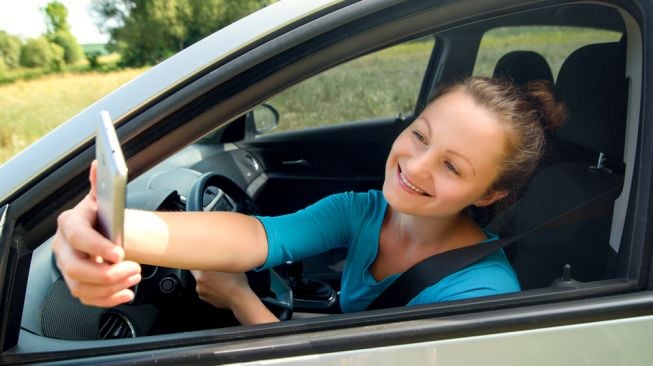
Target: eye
point(451, 167)
point(419, 137)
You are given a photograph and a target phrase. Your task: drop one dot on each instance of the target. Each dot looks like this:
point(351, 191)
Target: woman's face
point(446, 159)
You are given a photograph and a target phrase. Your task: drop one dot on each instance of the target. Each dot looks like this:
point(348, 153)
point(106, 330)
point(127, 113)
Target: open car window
point(385, 83)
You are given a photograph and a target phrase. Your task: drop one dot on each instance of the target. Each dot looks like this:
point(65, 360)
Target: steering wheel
point(215, 192)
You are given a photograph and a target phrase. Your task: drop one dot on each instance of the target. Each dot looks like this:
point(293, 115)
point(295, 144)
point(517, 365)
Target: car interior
point(256, 165)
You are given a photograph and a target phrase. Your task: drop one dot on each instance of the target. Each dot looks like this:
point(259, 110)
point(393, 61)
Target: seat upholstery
point(592, 83)
point(522, 67)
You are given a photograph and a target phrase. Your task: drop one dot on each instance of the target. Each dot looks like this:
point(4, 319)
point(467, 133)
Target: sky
point(25, 18)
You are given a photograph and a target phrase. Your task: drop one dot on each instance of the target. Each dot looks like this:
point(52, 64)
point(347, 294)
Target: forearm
point(214, 241)
point(253, 311)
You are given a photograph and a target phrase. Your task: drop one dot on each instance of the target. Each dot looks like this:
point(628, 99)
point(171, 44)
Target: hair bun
point(553, 112)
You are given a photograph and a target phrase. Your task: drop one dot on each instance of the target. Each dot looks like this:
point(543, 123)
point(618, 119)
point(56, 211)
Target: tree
point(9, 50)
point(58, 32)
point(56, 17)
point(153, 31)
point(39, 52)
point(72, 50)
point(148, 31)
point(208, 16)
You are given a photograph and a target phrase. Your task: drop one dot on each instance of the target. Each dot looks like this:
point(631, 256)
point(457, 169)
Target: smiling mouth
point(408, 185)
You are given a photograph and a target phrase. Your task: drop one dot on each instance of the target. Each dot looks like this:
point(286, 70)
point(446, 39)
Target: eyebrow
point(426, 122)
point(463, 157)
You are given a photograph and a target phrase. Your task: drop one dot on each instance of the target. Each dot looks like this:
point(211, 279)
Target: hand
point(232, 291)
point(222, 290)
point(91, 265)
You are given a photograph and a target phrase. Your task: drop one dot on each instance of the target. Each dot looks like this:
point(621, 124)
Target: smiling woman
point(459, 152)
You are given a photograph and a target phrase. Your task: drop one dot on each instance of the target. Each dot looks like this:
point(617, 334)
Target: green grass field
point(30, 109)
point(378, 85)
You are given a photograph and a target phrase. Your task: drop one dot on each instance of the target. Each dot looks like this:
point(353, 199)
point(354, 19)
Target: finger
point(89, 291)
point(120, 297)
point(91, 272)
point(77, 233)
point(79, 267)
point(92, 177)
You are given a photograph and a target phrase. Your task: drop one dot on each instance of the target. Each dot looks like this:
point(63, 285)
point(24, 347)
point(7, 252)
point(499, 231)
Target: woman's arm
point(212, 241)
point(215, 241)
point(232, 291)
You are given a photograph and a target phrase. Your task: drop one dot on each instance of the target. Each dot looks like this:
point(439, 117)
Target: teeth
point(407, 183)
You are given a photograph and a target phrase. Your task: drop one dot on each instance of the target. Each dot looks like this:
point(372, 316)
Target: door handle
point(299, 162)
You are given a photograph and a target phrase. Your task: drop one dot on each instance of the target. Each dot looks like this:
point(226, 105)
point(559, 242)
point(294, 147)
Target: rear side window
point(553, 43)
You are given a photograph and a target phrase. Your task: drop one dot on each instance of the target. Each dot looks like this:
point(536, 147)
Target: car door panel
point(304, 166)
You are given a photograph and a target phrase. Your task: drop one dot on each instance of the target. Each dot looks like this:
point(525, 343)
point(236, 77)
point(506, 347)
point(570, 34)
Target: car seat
point(592, 84)
point(522, 67)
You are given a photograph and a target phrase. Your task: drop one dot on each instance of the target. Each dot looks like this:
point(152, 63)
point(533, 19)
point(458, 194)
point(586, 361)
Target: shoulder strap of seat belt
point(431, 270)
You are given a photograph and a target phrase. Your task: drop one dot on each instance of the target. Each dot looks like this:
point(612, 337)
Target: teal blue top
point(353, 221)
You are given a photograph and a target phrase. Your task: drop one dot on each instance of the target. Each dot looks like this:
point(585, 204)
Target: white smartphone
point(111, 180)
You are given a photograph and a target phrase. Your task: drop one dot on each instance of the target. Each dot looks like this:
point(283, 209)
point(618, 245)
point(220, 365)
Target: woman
point(472, 147)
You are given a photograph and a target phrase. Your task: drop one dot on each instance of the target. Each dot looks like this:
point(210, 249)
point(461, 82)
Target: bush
point(38, 52)
point(3, 68)
point(9, 50)
point(93, 58)
point(57, 57)
point(72, 50)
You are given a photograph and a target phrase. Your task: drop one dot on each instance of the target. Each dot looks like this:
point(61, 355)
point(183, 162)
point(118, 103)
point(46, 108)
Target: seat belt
point(432, 269)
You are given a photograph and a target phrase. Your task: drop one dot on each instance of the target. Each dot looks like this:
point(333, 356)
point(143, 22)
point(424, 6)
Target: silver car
point(303, 99)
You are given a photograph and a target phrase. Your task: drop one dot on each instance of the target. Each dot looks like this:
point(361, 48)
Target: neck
point(435, 234)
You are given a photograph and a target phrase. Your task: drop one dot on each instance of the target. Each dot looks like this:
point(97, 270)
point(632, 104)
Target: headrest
point(522, 67)
point(592, 82)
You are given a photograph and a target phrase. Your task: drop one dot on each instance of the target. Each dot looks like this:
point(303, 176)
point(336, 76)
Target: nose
point(421, 165)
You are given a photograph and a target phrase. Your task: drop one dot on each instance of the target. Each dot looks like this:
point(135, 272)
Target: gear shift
point(309, 294)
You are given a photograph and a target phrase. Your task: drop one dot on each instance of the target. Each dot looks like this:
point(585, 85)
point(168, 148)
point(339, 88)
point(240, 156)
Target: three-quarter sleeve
point(315, 229)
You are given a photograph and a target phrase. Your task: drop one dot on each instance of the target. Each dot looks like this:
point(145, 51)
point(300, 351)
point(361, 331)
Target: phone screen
point(111, 180)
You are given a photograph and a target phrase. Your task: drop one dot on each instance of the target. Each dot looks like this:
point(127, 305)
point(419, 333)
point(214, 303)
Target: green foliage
point(148, 31)
point(9, 50)
point(93, 58)
point(57, 57)
point(3, 68)
point(72, 50)
point(56, 17)
point(208, 16)
point(38, 52)
point(35, 53)
point(152, 32)
point(58, 32)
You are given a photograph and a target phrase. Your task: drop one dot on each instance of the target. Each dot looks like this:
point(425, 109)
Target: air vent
point(114, 325)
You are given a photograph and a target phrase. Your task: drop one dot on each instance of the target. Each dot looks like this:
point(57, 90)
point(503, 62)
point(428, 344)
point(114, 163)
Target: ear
point(490, 198)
